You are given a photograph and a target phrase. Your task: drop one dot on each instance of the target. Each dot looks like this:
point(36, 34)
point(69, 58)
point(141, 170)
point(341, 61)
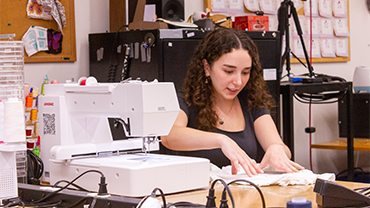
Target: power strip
point(29, 193)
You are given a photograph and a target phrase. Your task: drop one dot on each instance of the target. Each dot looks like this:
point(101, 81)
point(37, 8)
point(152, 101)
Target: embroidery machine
point(75, 137)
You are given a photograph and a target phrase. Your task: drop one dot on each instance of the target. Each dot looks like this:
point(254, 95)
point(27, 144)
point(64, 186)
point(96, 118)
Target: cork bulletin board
point(13, 19)
point(208, 5)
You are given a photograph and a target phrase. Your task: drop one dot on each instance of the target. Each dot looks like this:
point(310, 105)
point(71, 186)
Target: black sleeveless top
point(246, 139)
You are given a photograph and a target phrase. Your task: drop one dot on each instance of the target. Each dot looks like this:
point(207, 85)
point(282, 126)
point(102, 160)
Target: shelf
point(341, 144)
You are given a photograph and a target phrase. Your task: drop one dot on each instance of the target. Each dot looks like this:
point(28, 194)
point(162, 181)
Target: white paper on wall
point(341, 46)
point(341, 27)
point(327, 47)
point(268, 6)
point(312, 27)
point(326, 27)
point(273, 22)
point(340, 8)
point(313, 46)
point(297, 47)
point(235, 6)
point(218, 6)
point(325, 8)
point(252, 5)
point(307, 8)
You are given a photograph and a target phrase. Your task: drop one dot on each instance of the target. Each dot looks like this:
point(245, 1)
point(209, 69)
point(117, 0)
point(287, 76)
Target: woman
point(224, 113)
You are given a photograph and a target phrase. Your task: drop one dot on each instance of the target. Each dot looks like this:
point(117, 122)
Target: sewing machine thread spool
point(299, 202)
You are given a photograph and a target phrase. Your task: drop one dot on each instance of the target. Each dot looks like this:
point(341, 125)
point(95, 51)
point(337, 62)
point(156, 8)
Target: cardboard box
point(251, 23)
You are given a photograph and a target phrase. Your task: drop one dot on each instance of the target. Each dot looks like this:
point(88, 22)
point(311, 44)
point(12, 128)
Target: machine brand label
point(49, 104)
point(161, 108)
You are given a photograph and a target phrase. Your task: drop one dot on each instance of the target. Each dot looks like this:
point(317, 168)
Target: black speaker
point(169, 9)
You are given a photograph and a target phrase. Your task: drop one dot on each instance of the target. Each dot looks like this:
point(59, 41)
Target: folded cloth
point(270, 176)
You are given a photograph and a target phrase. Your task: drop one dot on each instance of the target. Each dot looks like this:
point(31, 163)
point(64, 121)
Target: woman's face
point(230, 73)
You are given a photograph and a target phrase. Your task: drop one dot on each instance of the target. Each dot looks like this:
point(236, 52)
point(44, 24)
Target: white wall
point(92, 16)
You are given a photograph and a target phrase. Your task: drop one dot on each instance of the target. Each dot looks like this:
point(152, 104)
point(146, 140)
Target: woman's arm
point(277, 154)
point(184, 138)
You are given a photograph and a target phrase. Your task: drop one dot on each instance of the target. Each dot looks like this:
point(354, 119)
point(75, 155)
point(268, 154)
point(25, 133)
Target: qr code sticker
point(49, 124)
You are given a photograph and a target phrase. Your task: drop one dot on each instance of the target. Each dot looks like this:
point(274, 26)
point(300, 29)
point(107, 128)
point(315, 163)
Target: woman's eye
point(228, 72)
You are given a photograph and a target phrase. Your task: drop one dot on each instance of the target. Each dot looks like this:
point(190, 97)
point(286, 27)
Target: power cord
point(151, 201)
point(73, 184)
point(101, 192)
point(113, 67)
point(211, 203)
point(13, 202)
point(35, 168)
point(255, 186)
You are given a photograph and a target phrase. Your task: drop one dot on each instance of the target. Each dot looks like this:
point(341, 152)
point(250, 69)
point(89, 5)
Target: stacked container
point(11, 92)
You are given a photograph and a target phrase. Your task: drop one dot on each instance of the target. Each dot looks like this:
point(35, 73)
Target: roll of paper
point(14, 125)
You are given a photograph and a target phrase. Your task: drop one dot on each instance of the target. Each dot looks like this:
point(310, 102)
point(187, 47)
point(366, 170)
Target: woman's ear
point(207, 68)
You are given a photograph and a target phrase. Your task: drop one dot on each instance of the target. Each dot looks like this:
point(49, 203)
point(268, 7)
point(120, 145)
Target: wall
point(92, 17)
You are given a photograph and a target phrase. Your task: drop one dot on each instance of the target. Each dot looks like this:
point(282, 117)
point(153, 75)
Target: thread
point(299, 202)
point(14, 125)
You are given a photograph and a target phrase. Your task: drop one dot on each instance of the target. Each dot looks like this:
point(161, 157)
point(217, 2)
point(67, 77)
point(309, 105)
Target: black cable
point(211, 203)
point(255, 186)
point(113, 67)
point(162, 195)
point(126, 63)
point(35, 168)
point(185, 204)
point(57, 191)
point(14, 202)
point(73, 184)
point(303, 98)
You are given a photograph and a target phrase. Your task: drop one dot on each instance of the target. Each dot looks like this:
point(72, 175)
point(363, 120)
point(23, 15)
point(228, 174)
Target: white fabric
point(270, 176)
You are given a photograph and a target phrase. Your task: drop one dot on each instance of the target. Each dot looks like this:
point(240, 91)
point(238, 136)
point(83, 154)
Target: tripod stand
point(285, 11)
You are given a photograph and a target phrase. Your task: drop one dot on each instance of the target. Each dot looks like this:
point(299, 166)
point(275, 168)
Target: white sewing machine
point(75, 137)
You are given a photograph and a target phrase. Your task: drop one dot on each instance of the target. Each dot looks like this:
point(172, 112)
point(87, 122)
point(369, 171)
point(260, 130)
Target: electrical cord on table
point(255, 186)
point(102, 187)
point(14, 202)
point(184, 204)
point(73, 184)
point(153, 196)
point(211, 203)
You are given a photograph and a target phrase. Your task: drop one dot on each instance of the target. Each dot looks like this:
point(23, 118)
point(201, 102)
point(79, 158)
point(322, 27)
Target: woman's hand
point(276, 157)
point(238, 158)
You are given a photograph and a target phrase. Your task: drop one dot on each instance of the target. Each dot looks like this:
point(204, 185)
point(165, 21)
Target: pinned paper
point(252, 5)
point(235, 6)
point(315, 27)
point(325, 8)
point(219, 6)
point(34, 10)
point(315, 46)
point(35, 40)
point(268, 7)
point(341, 27)
point(311, 6)
point(327, 47)
point(326, 27)
point(340, 8)
point(341, 47)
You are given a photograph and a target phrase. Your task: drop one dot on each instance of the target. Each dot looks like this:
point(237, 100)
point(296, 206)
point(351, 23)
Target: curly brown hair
point(199, 92)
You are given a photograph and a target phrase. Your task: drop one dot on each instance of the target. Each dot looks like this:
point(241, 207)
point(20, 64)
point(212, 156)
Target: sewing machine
point(76, 136)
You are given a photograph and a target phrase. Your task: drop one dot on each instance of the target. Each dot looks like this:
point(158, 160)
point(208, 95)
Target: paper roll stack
point(14, 124)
